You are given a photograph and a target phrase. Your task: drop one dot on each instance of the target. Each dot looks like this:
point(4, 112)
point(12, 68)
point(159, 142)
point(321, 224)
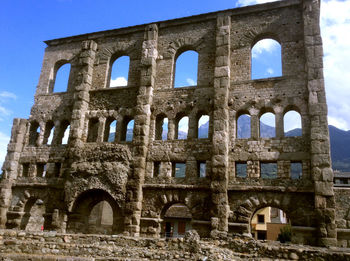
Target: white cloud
point(119, 81)
point(191, 82)
point(183, 124)
point(252, 2)
point(4, 140)
point(270, 71)
point(265, 45)
point(5, 96)
point(335, 23)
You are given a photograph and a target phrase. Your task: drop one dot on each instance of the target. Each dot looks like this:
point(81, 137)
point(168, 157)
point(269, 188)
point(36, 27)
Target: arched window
point(182, 128)
point(161, 131)
point(186, 69)
point(266, 59)
point(267, 125)
point(34, 132)
point(119, 72)
point(49, 130)
point(243, 127)
point(93, 130)
point(203, 127)
point(63, 135)
point(127, 131)
point(292, 124)
point(110, 129)
point(61, 78)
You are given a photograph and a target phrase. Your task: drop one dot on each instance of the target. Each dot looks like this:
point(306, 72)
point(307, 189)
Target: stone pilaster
point(82, 85)
point(141, 129)
point(221, 127)
point(321, 170)
point(10, 167)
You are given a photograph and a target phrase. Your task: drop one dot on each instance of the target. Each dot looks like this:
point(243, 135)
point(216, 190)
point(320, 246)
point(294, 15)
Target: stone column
point(171, 129)
point(321, 170)
point(279, 122)
point(219, 178)
point(141, 130)
point(82, 85)
point(10, 167)
point(101, 129)
point(254, 126)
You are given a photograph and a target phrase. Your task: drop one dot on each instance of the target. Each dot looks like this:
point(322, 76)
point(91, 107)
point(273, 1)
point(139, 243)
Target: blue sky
point(25, 24)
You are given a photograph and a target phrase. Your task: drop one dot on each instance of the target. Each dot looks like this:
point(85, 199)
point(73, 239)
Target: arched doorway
point(270, 223)
point(176, 220)
point(96, 212)
point(33, 217)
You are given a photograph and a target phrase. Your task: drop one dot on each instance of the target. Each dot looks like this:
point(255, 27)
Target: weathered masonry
point(50, 185)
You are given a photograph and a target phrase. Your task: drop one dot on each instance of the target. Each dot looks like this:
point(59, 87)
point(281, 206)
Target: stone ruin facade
point(63, 182)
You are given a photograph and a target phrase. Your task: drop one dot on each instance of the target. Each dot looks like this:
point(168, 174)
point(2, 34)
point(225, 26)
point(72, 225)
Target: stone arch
point(265, 35)
point(301, 214)
point(184, 44)
point(159, 130)
point(120, 48)
point(33, 134)
point(242, 118)
point(108, 55)
point(199, 130)
point(67, 59)
point(245, 210)
point(83, 205)
point(298, 119)
point(176, 220)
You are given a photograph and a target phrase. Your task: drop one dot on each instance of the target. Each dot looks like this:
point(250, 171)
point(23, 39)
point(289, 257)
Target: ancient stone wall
point(70, 179)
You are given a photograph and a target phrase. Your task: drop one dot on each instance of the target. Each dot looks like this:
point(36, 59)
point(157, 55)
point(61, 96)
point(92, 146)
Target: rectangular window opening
point(268, 170)
point(296, 170)
point(156, 168)
point(57, 170)
point(179, 170)
point(25, 169)
point(202, 166)
point(41, 170)
point(261, 219)
point(241, 169)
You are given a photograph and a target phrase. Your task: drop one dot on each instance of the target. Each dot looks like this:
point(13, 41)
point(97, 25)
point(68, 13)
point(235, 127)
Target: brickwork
point(69, 179)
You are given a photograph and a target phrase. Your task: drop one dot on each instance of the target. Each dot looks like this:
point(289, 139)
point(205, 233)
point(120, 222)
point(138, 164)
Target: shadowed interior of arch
point(96, 211)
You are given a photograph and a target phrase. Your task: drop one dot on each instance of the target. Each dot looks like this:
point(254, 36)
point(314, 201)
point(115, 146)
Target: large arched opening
point(176, 220)
point(96, 212)
point(270, 223)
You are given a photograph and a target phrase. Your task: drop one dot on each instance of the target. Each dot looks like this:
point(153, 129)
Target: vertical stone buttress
point(82, 84)
point(219, 178)
point(320, 149)
point(10, 167)
point(141, 129)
